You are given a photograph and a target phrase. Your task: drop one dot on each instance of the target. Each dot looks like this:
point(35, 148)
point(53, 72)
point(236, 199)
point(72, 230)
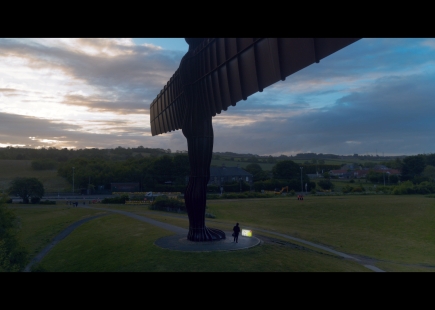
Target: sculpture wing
point(228, 70)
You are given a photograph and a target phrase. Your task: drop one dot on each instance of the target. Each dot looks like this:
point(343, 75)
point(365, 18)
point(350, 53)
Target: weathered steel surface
point(228, 70)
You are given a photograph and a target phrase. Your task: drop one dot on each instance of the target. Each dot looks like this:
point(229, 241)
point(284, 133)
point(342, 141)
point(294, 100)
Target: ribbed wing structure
point(228, 70)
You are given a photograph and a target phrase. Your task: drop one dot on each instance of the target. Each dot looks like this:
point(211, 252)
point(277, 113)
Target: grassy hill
point(10, 169)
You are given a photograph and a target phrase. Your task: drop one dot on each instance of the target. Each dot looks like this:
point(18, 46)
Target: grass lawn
point(397, 231)
point(40, 224)
point(118, 243)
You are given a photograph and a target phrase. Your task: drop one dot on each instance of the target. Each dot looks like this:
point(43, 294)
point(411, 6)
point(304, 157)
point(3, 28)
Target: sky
point(374, 97)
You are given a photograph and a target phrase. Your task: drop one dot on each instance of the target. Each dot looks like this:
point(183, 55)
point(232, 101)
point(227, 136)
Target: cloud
point(392, 114)
point(111, 67)
point(127, 104)
point(374, 95)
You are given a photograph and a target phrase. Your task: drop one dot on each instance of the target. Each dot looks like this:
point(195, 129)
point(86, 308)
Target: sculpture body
point(198, 130)
point(217, 73)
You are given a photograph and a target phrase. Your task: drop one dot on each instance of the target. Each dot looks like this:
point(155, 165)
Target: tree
point(253, 160)
point(429, 171)
point(163, 169)
point(271, 160)
point(413, 166)
point(181, 167)
point(286, 169)
point(393, 179)
point(257, 172)
point(375, 177)
point(27, 188)
point(326, 184)
point(13, 257)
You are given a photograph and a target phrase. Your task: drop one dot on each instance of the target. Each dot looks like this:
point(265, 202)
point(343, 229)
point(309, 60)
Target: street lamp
point(73, 180)
point(302, 185)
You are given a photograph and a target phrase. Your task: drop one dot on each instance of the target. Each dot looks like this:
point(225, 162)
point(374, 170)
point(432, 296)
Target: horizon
point(221, 152)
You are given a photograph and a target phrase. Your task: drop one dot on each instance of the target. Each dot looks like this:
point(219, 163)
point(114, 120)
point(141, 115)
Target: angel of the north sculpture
point(217, 73)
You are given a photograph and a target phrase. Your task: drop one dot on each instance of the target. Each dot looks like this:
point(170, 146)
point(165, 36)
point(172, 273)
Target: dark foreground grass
point(40, 224)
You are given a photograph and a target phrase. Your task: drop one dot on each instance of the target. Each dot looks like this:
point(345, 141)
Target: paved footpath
point(57, 239)
point(179, 241)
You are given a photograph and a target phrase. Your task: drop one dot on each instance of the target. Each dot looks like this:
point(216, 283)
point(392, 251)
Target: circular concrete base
point(180, 243)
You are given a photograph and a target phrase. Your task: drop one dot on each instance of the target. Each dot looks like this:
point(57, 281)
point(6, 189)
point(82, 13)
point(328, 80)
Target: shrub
point(326, 184)
point(409, 188)
point(35, 200)
point(358, 189)
point(119, 199)
point(213, 196)
point(47, 202)
point(346, 189)
point(167, 204)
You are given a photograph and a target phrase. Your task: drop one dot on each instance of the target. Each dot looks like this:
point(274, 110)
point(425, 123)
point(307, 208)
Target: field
point(395, 232)
point(10, 169)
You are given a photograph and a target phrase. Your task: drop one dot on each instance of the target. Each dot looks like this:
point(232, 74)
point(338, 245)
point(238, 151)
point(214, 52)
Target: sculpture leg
point(200, 149)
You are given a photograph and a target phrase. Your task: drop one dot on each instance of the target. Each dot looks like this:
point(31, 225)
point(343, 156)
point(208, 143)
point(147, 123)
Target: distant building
point(341, 173)
point(221, 175)
point(314, 175)
point(124, 187)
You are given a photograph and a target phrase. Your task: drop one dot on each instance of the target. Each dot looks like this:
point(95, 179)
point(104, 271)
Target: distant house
point(362, 172)
point(221, 175)
point(340, 173)
point(386, 170)
point(124, 187)
point(358, 174)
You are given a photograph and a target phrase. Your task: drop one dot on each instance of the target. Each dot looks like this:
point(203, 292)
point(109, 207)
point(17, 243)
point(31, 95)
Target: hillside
point(10, 169)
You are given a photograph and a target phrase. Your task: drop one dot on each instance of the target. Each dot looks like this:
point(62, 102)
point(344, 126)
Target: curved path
point(180, 242)
point(56, 240)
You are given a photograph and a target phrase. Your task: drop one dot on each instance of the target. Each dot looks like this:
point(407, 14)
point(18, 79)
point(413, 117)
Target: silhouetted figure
point(236, 230)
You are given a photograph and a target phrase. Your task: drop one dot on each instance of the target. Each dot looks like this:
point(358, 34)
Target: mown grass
point(118, 243)
point(40, 224)
point(395, 230)
point(11, 169)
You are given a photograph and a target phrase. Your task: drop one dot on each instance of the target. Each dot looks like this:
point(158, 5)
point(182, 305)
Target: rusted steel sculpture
point(214, 74)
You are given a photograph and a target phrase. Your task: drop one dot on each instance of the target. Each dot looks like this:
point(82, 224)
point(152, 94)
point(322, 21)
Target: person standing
point(236, 230)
